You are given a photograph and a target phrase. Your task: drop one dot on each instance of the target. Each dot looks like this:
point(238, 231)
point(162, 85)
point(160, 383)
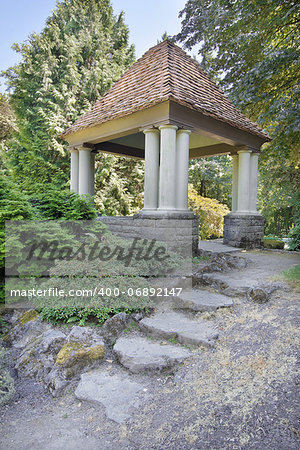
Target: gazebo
point(165, 109)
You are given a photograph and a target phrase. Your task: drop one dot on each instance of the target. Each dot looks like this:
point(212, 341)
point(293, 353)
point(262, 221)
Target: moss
point(273, 244)
point(28, 316)
point(76, 353)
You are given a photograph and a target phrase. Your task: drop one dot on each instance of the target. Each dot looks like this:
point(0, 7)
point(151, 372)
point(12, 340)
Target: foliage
point(212, 177)
point(106, 274)
point(210, 212)
point(82, 315)
point(13, 206)
point(7, 119)
point(81, 51)
point(251, 49)
point(294, 233)
point(52, 204)
point(118, 185)
point(293, 273)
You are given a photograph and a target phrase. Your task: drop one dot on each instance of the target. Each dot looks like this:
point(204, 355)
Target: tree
point(250, 48)
point(81, 51)
point(119, 185)
point(212, 177)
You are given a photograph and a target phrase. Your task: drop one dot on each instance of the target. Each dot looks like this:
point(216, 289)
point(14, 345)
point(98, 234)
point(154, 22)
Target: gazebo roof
point(165, 73)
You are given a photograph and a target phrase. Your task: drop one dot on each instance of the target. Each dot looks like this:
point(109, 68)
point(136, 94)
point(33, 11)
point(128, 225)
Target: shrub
point(294, 235)
point(106, 280)
point(52, 203)
point(13, 206)
point(211, 214)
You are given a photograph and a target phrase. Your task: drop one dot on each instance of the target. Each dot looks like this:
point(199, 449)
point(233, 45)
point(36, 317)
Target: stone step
point(118, 394)
point(168, 325)
point(201, 300)
point(139, 354)
point(223, 283)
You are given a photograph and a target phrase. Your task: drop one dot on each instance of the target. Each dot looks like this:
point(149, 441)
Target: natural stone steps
point(239, 285)
point(117, 393)
point(168, 325)
point(139, 354)
point(223, 284)
point(201, 300)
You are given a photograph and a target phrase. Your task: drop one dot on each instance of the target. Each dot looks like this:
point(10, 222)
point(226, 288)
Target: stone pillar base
point(179, 230)
point(244, 230)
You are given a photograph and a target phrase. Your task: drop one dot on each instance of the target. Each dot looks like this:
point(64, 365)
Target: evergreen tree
point(251, 48)
point(81, 51)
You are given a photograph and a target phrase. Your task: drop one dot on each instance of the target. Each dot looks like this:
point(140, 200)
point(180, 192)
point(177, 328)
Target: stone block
point(245, 231)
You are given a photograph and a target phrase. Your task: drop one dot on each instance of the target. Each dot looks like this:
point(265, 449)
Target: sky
point(147, 21)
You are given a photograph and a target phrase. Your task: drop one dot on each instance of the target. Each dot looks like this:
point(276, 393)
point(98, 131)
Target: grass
point(291, 276)
point(293, 273)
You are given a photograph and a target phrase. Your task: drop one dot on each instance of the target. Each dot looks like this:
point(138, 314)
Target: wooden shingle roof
point(165, 72)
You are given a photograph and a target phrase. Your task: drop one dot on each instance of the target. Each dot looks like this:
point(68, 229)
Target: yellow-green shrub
point(211, 214)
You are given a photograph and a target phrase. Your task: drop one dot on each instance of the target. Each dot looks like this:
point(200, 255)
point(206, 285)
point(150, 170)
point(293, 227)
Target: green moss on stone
point(28, 316)
point(74, 353)
point(273, 244)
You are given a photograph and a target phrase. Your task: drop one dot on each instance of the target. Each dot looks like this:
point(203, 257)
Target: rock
point(54, 358)
point(170, 325)
point(7, 388)
point(114, 326)
point(137, 316)
point(38, 357)
point(261, 294)
point(52, 341)
point(201, 300)
point(76, 353)
point(223, 263)
point(139, 354)
point(86, 335)
point(118, 394)
point(27, 327)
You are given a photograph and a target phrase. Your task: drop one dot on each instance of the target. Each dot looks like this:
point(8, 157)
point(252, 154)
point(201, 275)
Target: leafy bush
point(294, 235)
point(82, 315)
point(54, 203)
point(77, 264)
point(13, 206)
point(211, 214)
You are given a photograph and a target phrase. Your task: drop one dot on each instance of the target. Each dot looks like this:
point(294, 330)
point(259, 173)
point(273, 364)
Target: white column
point(244, 181)
point(74, 170)
point(167, 175)
point(182, 168)
point(151, 179)
point(84, 171)
point(253, 182)
point(92, 175)
point(235, 176)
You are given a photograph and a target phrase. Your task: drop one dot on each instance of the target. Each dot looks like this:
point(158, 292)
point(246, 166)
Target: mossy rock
point(273, 244)
point(76, 353)
point(27, 317)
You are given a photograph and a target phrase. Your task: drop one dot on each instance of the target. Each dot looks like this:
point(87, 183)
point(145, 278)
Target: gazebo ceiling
point(165, 86)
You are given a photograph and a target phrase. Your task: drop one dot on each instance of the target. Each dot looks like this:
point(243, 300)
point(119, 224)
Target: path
point(237, 391)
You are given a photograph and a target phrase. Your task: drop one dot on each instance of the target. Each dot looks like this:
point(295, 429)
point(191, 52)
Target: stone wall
point(245, 231)
point(175, 229)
